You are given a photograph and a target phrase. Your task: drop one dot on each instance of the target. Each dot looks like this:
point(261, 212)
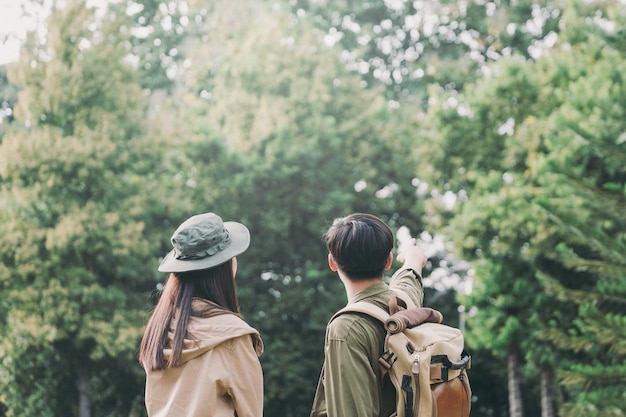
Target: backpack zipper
point(415, 367)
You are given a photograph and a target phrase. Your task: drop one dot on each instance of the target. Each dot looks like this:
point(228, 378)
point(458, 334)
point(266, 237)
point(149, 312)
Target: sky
point(9, 10)
point(13, 27)
point(14, 23)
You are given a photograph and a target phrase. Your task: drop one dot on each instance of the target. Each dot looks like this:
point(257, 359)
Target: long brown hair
point(215, 284)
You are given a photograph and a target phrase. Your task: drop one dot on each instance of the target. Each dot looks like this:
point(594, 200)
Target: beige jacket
point(220, 373)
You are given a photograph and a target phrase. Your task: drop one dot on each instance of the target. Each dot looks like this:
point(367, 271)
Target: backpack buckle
point(387, 359)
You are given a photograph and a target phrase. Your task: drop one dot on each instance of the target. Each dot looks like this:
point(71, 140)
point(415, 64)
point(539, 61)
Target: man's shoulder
point(352, 325)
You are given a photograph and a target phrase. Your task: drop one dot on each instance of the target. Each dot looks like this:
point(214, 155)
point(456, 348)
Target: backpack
point(425, 360)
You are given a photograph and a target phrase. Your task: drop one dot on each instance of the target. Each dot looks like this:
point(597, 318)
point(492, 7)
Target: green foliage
point(8, 92)
point(407, 46)
point(546, 193)
point(309, 133)
point(92, 97)
point(155, 32)
point(590, 243)
point(253, 113)
point(74, 245)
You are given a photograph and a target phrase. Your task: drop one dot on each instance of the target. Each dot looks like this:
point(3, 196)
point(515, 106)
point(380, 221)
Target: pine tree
point(584, 263)
point(563, 157)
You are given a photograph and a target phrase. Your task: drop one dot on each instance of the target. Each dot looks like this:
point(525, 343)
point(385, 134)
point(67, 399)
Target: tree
point(9, 94)
point(314, 145)
point(74, 239)
point(508, 223)
point(408, 46)
point(156, 30)
point(583, 263)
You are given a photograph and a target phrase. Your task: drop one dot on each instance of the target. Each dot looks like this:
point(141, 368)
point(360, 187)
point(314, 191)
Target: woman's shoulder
point(210, 332)
point(224, 319)
point(240, 331)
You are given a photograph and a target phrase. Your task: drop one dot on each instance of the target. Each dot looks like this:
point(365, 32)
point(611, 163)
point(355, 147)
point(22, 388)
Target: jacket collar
point(371, 291)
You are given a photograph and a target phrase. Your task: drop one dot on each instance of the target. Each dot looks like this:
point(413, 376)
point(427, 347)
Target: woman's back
point(217, 353)
point(200, 356)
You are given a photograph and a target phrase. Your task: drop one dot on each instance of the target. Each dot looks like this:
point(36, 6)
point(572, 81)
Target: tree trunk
point(516, 408)
point(547, 395)
point(84, 401)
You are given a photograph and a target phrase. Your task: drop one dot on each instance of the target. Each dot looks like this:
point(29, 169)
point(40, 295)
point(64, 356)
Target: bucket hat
point(204, 241)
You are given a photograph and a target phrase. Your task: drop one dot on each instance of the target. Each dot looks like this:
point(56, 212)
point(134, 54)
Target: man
point(359, 248)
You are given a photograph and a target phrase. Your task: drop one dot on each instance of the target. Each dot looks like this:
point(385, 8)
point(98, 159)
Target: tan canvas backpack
point(426, 361)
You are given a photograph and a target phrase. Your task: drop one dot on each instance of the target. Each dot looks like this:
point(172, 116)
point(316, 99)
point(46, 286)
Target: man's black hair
point(360, 244)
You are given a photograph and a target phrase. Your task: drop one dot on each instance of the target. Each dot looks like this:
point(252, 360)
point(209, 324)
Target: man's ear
point(332, 264)
point(389, 261)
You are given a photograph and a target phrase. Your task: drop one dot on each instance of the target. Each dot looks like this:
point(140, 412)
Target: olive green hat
point(204, 241)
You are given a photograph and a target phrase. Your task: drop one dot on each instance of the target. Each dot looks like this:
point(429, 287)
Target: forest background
point(494, 131)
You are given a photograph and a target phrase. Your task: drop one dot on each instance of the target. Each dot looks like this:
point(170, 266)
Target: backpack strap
point(399, 301)
point(365, 308)
point(428, 405)
point(374, 311)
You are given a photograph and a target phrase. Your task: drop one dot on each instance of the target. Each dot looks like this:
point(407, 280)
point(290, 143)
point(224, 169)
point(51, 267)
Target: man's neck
point(355, 287)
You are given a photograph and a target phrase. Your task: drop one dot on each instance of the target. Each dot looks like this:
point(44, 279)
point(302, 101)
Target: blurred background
point(493, 131)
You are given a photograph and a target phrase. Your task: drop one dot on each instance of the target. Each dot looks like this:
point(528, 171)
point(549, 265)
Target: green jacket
point(349, 384)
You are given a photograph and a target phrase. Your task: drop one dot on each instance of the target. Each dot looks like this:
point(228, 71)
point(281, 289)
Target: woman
point(200, 357)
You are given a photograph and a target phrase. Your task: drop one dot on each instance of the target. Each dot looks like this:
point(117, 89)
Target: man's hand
point(412, 256)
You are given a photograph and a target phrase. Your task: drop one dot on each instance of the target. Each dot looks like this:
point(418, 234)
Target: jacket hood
point(204, 333)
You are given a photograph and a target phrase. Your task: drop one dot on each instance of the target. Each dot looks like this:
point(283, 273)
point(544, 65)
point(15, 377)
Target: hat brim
point(239, 242)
